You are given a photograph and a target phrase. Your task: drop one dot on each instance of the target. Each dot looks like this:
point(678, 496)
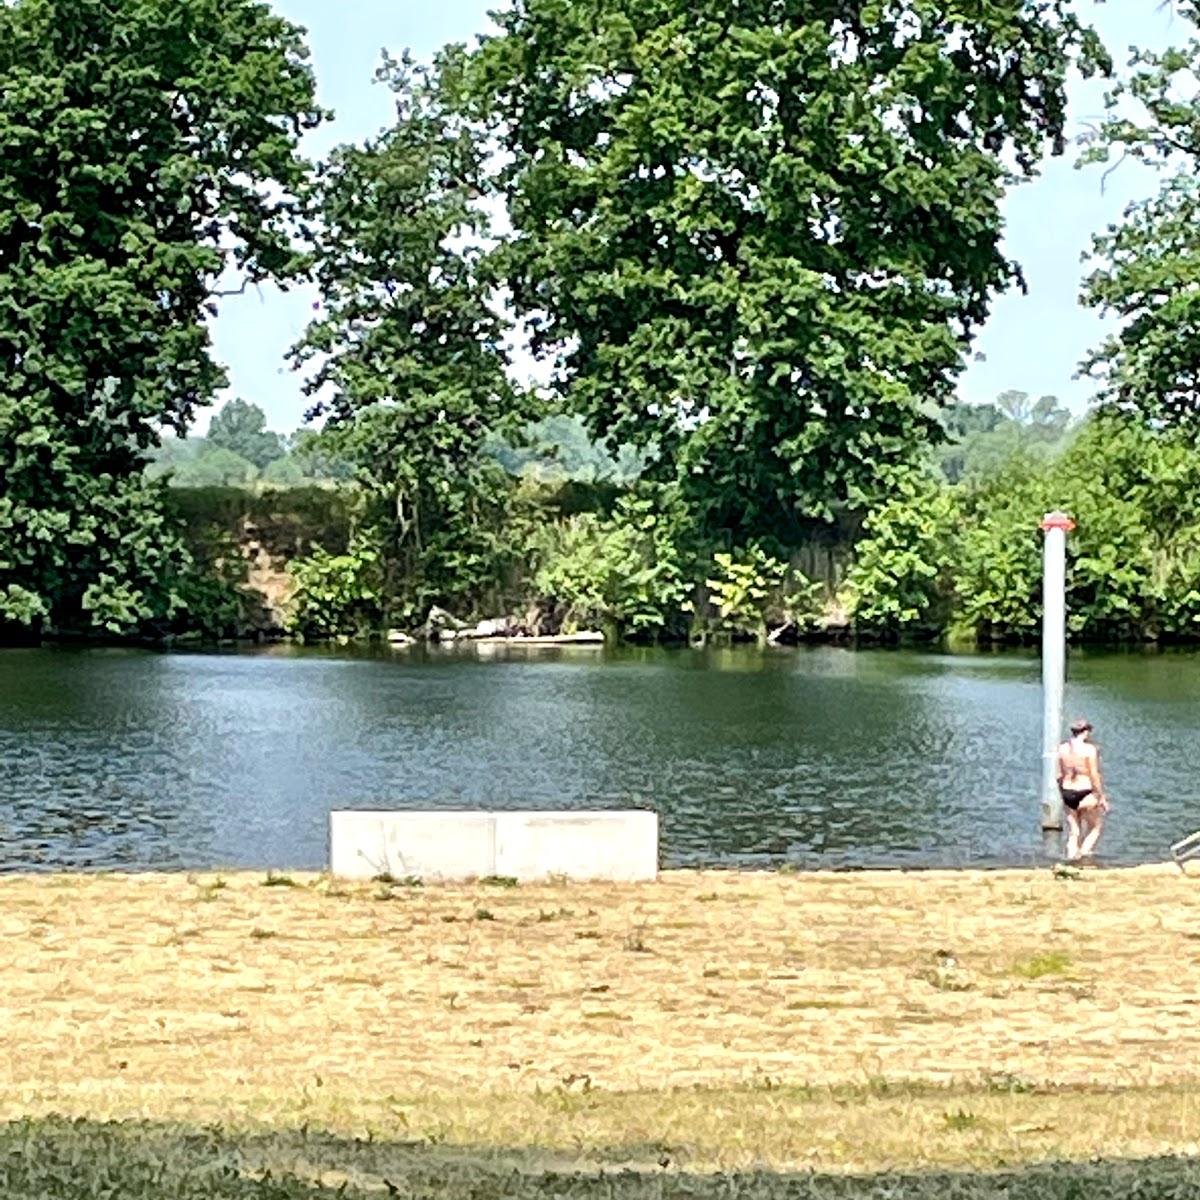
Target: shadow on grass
point(74, 1160)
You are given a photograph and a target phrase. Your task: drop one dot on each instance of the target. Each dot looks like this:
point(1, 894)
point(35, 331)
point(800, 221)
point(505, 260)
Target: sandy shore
point(384, 1007)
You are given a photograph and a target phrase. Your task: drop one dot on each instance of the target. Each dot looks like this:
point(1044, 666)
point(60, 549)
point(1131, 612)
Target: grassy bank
point(713, 1034)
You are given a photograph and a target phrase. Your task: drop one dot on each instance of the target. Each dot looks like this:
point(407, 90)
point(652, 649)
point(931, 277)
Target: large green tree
point(148, 159)
point(241, 428)
point(1147, 270)
point(759, 237)
point(980, 438)
point(408, 355)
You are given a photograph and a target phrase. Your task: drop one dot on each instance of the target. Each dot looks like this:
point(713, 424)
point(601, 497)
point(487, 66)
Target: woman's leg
point(1072, 819)
point(1092, 828)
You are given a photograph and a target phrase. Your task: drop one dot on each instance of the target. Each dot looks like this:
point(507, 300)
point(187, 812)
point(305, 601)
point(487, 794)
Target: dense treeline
point(752, 251)
point(954, 551)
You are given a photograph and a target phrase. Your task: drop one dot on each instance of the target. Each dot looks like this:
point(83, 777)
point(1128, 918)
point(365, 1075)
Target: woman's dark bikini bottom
point(1072, 797)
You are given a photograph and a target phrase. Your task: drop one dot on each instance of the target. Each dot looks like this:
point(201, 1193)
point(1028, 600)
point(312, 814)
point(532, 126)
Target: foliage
point(284, 521)
point(969, 558)
point(998, 567)
point(903, 571)
point(626, 572)
point(751, 589)
point(559, 448)
point(1136, 568)
point(981, 438)
point(150, 150)
point(1148, 267)
point(241, 429)
point(336, 594)
point(213, 467)
point(408, 352)
point(314, 453)
point(197, 462)
point(757, 242)
point(211, 599)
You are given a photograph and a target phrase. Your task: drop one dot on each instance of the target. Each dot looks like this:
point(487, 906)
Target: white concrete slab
point(427, 845)
point(621, 846)
point(618, 845)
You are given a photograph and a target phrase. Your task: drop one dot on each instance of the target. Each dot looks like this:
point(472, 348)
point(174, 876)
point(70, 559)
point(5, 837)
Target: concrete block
point(450, 845)
point(620, 846)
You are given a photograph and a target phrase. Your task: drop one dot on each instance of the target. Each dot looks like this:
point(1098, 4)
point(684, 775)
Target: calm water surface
point(818, 757)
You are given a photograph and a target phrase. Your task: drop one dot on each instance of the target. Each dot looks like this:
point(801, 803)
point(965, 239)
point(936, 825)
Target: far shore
point(560, 1021)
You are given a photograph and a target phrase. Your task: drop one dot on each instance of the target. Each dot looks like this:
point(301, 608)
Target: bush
point(903, 571)
point(750, 590)
point(336, 594)
point(625, 573)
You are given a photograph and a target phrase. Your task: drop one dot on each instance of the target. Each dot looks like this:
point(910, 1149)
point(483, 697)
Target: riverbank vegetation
point(713, 1034)
point(954, 552)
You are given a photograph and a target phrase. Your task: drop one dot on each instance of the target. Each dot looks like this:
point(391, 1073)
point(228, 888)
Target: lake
point(822, 757)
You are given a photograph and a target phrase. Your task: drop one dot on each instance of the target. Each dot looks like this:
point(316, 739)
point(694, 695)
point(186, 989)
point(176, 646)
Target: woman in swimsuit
point(1079, 782)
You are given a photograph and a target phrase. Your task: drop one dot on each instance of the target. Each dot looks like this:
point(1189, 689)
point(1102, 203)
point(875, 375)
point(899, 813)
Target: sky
point(1033, 342)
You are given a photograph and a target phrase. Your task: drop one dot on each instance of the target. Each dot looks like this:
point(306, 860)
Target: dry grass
point(719, 1021)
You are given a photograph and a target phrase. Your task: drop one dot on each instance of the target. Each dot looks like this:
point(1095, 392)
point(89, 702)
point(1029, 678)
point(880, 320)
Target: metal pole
point(1055, 525)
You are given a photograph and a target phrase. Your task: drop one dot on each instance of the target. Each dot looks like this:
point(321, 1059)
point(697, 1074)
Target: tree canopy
point(1147, 269)
point(148, 158)
point(758, 239)
point(241, 428)
point(409, 354)
point(981, 438)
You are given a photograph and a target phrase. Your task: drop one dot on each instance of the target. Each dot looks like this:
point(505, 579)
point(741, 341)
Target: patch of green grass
point(435, 1160)
point(404, 881)
point(1006, 1083)
point(960, 1120)
point(261, 935)
point(499, 881)
point(1048, 962)
point(208, 891)
point(483, 914)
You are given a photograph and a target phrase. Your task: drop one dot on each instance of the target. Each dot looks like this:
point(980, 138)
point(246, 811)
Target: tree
point(150, 159)
point(409, 350)
point(241, 428)
point(758, 239)
point(980, 438)
point(1147, 271)
point(214, 466)
point(312, 451)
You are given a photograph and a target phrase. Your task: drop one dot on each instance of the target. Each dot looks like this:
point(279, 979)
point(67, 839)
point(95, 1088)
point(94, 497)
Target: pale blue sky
point(1033, 342)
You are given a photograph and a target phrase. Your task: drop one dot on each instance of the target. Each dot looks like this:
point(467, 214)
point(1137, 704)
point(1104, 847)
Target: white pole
point(1054, 649)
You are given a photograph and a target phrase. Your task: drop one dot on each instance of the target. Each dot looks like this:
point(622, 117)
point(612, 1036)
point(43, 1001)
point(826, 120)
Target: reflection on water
point(820, 757)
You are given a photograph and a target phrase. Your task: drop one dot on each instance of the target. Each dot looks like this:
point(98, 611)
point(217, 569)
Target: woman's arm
point(1094, 775)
